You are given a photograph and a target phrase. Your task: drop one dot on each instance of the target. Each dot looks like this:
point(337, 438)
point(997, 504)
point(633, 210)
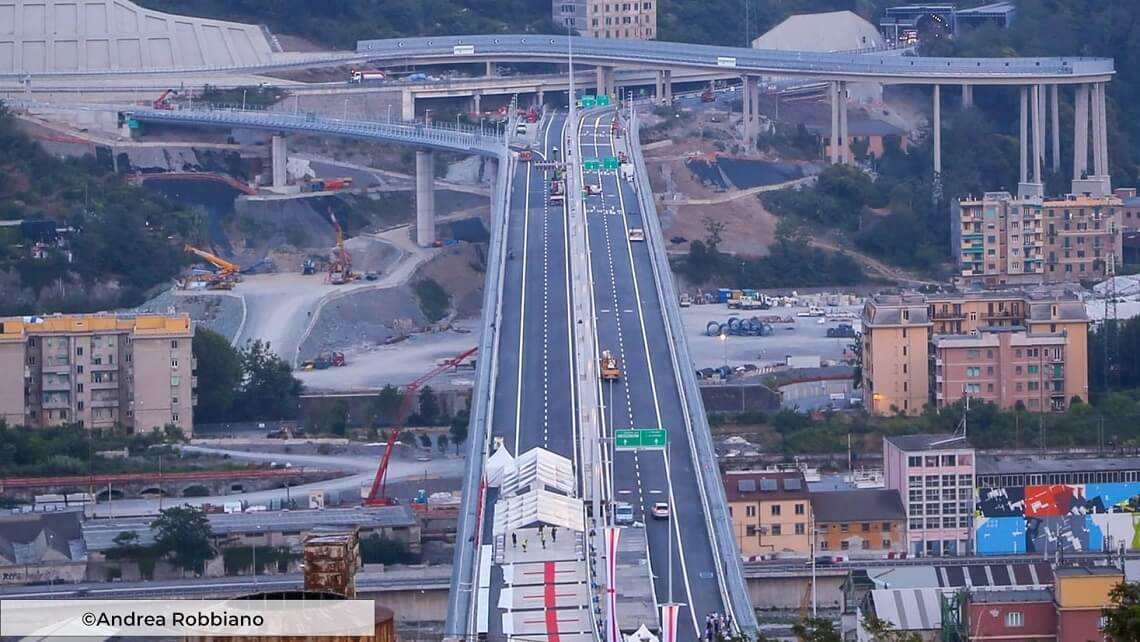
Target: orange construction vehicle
point(226, 275)
point(163, 101)
point(609, 366)
point(340, 267)
point(377, 495)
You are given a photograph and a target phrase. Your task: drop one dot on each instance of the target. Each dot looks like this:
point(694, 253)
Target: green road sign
point(588, 102)
point(591, 164)
point(132, 124)
point(632, 439)
point(603, 101)
point(610, 162)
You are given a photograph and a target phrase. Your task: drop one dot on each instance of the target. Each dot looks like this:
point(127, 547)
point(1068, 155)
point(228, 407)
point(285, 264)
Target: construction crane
point(340, 268)
point(163, 101)
point(377, 495)
point(228, 273)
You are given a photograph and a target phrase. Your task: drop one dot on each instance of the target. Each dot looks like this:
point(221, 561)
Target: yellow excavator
point(227, 275)
point(340, 267)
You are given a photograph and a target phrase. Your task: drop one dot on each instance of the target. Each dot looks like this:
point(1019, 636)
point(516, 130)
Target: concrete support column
point(541, 98)
point(407, 105)
point(936, 124)
point(1038, 134)
point(748, 110)
point(659, 87)
point(1055, 127)
point(476, 102)
point(844, 136)
point(605, 81)
point(425, 198)
point(1023, 138)
point(1081, 132)
point(667, 83)
point(278, 157)
point(967, 96)
point(1100, 137)
point(835, 122)
point(490, 68)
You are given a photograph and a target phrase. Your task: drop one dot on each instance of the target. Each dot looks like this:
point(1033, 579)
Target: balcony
point(56, 385)
point(49, 404)
point(193, 382)
point(937, 378)
point(104, 403)
point(972, 236)
point(949, 315)
point(56, 368)
point(103, 385)
point(973, 250)
point(103, 367)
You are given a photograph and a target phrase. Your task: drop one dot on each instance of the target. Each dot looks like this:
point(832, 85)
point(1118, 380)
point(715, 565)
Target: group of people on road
point(717, 627)
point(541, 537)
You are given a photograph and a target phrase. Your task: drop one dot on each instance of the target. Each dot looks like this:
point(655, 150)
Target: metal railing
point(718, 521)
point(464, 580)
point(674, 55)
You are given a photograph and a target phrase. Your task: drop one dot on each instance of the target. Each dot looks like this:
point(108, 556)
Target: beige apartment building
point(1003, 347)
point(631, 19)
point(1002, 240)
point(770, 511)
point(98, 370)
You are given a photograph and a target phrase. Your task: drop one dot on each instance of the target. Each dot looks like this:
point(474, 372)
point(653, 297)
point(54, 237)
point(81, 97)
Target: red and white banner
point(669, 613)
point(613, 634)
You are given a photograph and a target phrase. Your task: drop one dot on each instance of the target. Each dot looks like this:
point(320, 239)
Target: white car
point(636, 234)
point(661, 510)
point(593, 190)
point(521, 129)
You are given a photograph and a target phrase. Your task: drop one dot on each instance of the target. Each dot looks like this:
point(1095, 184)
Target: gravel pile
point(220, 313)
point(364, 319)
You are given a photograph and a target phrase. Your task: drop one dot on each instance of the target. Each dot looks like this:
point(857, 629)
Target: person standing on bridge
point(514, 540)
point(554, 534)
point(542, 538)
point(524, 544)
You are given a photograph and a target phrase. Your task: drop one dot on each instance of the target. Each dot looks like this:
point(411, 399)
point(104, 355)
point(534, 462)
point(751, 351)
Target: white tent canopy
point(497, 466)
point(537, 507)
point(642, 634)
point(539, 469)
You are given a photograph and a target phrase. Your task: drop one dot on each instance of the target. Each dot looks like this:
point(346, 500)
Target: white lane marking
point(522, 312)
point(562, 211)
point(675, 518)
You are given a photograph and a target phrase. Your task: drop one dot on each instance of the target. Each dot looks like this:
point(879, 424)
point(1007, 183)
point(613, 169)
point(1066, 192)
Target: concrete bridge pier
point(407, 105)
point(663, 88)
point(605, 81)
point(750, 106)
point(540, 98)
point(936, 125)
point(967, 96)
point(425, 198)
point(476, 103)
point(1055, 127)
point(667, 83)
point(490, 68)
point(839, 149)
point(279, 155)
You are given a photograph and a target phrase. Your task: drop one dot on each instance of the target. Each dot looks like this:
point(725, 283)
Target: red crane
point(377, 496)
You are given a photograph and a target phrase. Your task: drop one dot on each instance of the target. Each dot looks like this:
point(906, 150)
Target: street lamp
point(243, 99)
point(724, 345)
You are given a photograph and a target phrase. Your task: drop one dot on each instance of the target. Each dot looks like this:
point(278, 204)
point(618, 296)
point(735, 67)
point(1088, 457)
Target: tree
point(883, 631)
point(441, 443)
point(407, 437)
point(1123, 617)
point(269, 390)
point(816, 630)
point(126, 546)
point(376, 549)
point(387, 404)
point(425, 440)
point(458, 429)
point(713, 228)
point(429, 406)
point(183, 534)
point(220, 365)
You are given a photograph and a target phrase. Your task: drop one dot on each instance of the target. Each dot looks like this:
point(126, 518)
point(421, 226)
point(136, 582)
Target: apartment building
point(990, 345)
point(98, 370)
point(770, 511)
point(1002, 240)
point(631, 19)
point(866, 519)
point(934, 474)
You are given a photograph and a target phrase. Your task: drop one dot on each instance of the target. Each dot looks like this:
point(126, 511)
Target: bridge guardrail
point(718, 521)
point(464, 583)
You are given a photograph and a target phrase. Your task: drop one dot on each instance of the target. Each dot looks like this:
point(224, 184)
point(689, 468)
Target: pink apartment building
point(1007, 365)
point(934, 476)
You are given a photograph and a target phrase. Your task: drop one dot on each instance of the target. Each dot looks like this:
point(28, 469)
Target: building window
point(775, 510)
point(78, 369)
point(777, 529)
point(1014, 619)
point(750, 511)
point(843, 528)
point(886, 527)
point(174, 401)
point(79, 406)
point(823, 545)
point(914, 461)
point(844, 545)
point(799, 509)
point(914, 480)
point(866, 527)
point(79, 352)
point(886, 543)
point(973, 372)
point(78, 387)
point(174, 364)
point(800, 528)
point(973, 355)
point(174, 417)
point(751, 530)
point(949, 460)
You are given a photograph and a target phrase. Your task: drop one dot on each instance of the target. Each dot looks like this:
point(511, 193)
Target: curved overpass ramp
point(885, 68)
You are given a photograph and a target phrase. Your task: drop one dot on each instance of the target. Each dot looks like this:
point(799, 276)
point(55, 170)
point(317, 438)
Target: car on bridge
point(623, 514)
point(636, 234)
point(661, 510)
point(593, 190)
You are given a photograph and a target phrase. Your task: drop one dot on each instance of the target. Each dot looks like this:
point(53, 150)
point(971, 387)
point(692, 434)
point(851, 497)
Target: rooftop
point(36, 537)
point(990, 464)
point(1011, 595)
point(863, 505)
point(943, 441)
point(1083, 571)
point(826, 31)
point(16, 328)
point(99, 534)
point(765, 485)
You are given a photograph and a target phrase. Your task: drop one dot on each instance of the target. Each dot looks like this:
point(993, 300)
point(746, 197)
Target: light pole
point(243, 99)
point(724, 345)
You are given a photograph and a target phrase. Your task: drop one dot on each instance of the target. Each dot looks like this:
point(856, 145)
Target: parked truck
point(841, 331)
point(366, 75)
point(609, 366)
point(557, 192)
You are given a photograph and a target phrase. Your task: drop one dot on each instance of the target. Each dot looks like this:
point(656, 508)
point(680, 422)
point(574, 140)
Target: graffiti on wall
point(1070, 517)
